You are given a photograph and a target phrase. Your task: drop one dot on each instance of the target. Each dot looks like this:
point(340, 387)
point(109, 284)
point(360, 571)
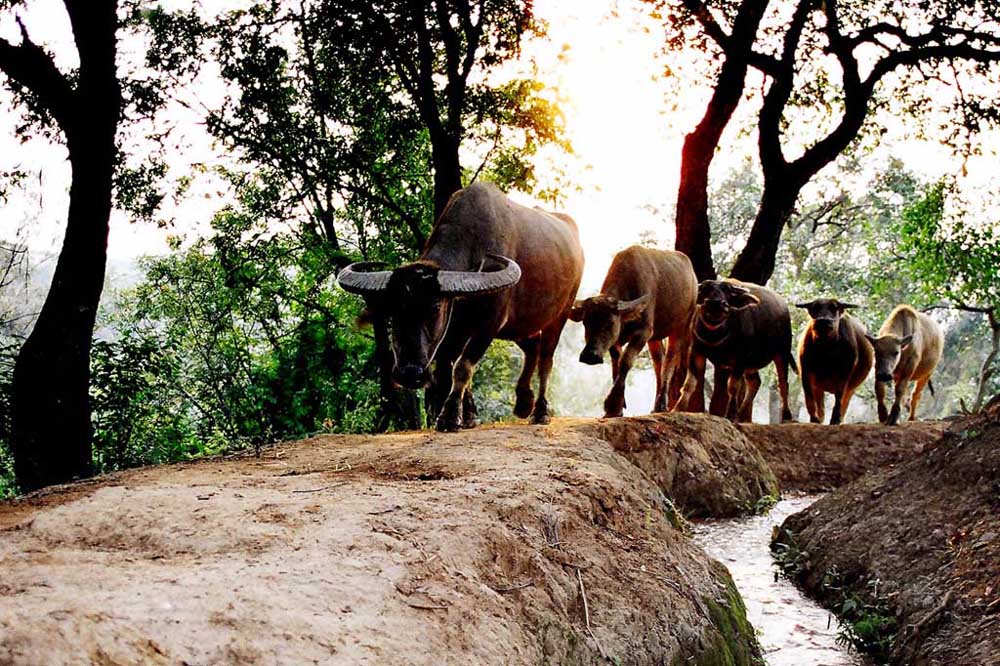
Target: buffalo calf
point(647, 296)
point(740, 327)
point(834, 357)
point(908, 348)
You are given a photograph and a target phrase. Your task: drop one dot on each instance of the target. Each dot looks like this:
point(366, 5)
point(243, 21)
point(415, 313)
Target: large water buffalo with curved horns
point(648, 295)
point(491, 269)
point(740, 327)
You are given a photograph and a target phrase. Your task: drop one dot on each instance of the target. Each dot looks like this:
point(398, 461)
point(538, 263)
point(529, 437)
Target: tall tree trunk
point(51, 429)
point(987, 370)
point(757, 259)
point(693, 232)
point(447, 171)
point(51, 403)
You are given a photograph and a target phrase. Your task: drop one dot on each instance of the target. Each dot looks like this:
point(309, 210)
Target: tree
point(51, 422)
point(89, 109)
point(872, 50)
point(439, 54)
point(959, 259)
point(735, 48)
point(953, 32)
point(359, 110)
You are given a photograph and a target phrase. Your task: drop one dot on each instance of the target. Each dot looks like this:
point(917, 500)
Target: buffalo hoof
point(468, 423)
point(448, 423)
point(524, 403)
point(813, 419)
point(541, 414)
point(614, 406)
point(541, 419)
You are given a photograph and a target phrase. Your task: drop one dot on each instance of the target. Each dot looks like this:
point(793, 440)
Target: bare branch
point(28, 65)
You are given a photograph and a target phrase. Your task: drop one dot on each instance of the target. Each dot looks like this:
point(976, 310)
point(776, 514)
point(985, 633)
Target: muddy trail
point(561, 544)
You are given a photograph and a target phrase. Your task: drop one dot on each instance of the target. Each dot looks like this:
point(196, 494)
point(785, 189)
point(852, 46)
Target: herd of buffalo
point(495, 269)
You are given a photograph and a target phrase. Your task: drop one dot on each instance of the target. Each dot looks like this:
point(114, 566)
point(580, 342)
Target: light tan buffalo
point(647, 296)
point(834, 357)
point(908, 348)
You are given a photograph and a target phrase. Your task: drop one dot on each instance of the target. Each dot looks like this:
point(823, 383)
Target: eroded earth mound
point(912, 554)
point(502, 545)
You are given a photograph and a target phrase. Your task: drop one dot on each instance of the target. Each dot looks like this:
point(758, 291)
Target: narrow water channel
point(793, 630)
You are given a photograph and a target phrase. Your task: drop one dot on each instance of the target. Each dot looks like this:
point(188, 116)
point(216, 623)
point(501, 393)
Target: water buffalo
point(740, 327)
point(491, 269)
point(647, 295)
point(834, 357)
point(908, 348)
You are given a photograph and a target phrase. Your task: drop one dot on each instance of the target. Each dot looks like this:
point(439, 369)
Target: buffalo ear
point(366, 318)
point(741, 300)
point(576, 312)
point(905, 342)
point(630, 310)
point(805, 306)
point(846, 306)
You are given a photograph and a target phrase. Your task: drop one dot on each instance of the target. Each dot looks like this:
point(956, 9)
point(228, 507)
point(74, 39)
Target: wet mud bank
point(910, 556)
point(814, 458)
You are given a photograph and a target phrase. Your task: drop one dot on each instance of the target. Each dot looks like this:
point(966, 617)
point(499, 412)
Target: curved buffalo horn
point(625, 306)
point(364, 278)
point(471, 283)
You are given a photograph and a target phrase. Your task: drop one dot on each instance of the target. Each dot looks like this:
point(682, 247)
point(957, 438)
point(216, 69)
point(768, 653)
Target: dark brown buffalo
point(647, 295)
point(740, 327)
point(834, 357)
point(491, 269)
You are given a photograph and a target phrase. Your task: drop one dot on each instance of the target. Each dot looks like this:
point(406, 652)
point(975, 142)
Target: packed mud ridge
point(508, 544)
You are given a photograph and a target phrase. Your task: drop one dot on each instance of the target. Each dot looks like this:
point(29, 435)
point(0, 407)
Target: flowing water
point(793, 630)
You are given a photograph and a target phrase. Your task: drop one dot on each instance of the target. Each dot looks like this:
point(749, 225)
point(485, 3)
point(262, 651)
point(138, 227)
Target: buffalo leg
point(524, 397)
point(883, 413)
point(719, 404)
point(656, 353)
point(450, 418)
point(734, 391)
point(470, 413)
point(918, 391)
point(838, 408)
point(901, 386)
point(843, 404)
point(693, 392)
point(549, 341)
point(615, 352)
point(807, 395)
point(781, 369)
point(751, 385)
point(615, 402)
point(819, 404)
point(675, 370)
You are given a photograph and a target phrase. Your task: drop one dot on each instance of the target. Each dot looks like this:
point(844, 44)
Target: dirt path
point(496, 546)
point(811, 458)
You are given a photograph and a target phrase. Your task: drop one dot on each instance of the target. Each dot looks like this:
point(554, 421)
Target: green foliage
point(957, 259)
point(868, 623)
